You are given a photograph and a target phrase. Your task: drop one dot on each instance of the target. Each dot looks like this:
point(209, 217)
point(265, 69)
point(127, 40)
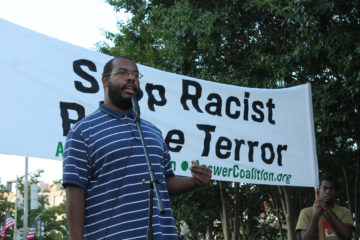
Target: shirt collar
point(114, 113)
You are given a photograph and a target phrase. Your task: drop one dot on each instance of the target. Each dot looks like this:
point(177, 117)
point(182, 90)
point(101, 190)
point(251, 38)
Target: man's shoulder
point(304, 218)
point(87, 121)
point(342, 208)
point(306, 212)
point(344, 214)
point(150, 125)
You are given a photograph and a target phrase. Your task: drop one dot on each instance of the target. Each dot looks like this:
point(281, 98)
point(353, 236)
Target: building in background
point(53, 191)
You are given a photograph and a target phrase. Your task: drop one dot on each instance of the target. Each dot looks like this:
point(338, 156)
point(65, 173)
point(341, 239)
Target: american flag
point(7, 223)
point(2, 232)
point(31, 231)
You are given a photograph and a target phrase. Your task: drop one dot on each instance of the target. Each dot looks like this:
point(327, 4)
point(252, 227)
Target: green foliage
point(198, 208)
point(56, 225)
point(5, 204)
point(54, 217)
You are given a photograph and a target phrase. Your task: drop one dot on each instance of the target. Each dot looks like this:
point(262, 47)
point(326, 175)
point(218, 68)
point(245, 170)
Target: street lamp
point(26, 197)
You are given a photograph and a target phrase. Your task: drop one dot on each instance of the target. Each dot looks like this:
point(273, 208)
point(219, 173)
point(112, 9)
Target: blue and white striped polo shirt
point(104, 155)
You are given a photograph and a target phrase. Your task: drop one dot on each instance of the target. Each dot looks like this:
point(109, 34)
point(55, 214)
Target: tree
point(56, 223)
point(267, 44)
point(199, 209)
point(5, 206)
point(54, 219)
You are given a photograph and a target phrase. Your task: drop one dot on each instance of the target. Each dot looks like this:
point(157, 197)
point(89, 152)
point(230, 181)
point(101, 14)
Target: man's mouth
point(327, 197)
point(130, 89)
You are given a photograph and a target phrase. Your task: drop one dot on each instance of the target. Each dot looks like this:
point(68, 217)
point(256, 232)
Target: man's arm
point(312, 230)
point(75, 210)
point(200, 176)
point(343, 230)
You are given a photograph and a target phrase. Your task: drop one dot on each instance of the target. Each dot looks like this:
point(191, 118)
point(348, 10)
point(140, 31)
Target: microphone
point(136, 107)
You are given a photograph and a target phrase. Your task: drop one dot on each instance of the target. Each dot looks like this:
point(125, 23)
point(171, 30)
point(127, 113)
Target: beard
point(117, 99)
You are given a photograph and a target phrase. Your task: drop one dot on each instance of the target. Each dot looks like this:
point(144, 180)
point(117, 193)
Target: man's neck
point(330, 204)
point(109, 104)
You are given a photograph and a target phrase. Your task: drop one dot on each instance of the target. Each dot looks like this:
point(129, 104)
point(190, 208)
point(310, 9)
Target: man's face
point(327, 191)
point(122, 83)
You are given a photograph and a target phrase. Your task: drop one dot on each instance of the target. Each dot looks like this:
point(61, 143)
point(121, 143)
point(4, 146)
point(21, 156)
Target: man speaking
point(105, 167)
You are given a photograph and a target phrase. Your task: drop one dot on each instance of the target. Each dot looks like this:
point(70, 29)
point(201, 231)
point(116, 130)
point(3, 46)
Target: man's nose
point(130, 78)
point(328, 190)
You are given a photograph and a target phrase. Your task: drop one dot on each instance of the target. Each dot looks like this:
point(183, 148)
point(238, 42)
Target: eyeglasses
point(124, 73)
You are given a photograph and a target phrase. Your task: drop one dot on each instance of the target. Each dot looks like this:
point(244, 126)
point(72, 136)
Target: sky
point(79, 22)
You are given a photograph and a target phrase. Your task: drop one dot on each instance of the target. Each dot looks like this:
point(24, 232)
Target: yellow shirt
point(326, 232)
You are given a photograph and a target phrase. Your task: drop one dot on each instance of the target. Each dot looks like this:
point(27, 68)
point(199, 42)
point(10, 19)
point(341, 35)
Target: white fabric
point(38, 73)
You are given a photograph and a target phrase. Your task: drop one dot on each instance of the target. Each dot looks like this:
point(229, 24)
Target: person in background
point(104, 167)
point(325, 220)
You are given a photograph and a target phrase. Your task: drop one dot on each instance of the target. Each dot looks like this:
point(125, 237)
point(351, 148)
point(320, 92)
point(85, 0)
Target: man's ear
point(105, 80)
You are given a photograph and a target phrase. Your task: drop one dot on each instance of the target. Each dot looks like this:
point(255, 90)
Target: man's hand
point(318, 208)
point(201, 174)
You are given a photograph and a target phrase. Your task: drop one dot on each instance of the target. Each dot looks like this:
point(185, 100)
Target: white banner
point(261, 136)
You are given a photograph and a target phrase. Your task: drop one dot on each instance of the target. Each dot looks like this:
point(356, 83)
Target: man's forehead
point(328, 183)
point(123, 63)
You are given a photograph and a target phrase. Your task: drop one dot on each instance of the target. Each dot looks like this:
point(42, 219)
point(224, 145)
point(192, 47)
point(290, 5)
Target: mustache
point(131, 85)
point(138, 92)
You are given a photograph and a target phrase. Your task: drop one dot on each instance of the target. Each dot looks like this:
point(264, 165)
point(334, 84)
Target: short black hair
point(330, 179)
point(109, 65)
